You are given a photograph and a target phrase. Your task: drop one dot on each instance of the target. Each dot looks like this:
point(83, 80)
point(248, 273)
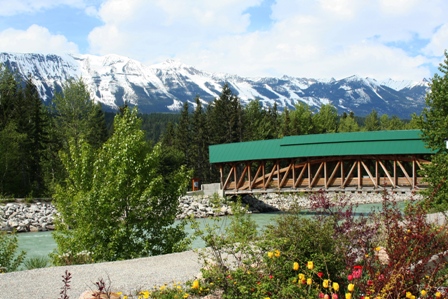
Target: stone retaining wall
point(24, 217)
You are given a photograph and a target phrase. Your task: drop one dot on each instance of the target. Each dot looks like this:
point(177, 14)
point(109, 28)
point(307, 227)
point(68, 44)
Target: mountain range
point(114, 80)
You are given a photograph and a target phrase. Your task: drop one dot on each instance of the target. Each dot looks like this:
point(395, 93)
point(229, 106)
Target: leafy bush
point(10, 259)
point(332, 254)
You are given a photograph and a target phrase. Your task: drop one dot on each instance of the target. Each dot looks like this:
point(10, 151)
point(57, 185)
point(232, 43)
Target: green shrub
point(10, 259)
point(36, 262)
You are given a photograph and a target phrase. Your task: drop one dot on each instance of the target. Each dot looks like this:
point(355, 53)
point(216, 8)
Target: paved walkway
point(125, 276)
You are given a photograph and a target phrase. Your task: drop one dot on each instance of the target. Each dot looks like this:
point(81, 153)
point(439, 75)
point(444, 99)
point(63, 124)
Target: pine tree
point(372, 122)
point(434, 128)
point(224, 118)
point(326, 120)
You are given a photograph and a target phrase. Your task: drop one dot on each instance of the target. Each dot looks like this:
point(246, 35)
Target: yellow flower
point(408, 295)
point(277, 253)
point(412, 297)
point(145, 294)
point(336, 286)
point(310, 265)
point(350, 287)
point(162, 288)
point(125, 297)
point(186, 296)
point(301, 276)
point(270, 254)
point(348, 295)
point(366, 297)
point(309, 281)
point(423, 292)
point(267, 298)
point(378, 248)
point(325, 283)
point(195, 285)
point(438, 295)
point(295, 266)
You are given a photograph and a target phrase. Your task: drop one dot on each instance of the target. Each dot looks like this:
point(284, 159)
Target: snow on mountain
point(114, 80)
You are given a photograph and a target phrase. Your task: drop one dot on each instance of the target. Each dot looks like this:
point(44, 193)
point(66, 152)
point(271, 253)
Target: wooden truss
point(361, 173)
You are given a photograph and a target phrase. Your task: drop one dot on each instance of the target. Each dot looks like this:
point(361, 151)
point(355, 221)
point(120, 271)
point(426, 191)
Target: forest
point(34, 135)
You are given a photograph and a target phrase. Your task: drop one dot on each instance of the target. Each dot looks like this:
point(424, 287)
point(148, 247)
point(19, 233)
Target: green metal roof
point(405, 142)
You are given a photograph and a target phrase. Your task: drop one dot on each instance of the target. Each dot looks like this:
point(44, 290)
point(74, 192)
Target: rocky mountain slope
point(114, 80)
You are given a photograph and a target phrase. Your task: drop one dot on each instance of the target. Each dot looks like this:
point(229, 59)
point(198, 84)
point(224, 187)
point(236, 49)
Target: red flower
point(350, 277)
point(270, 276)
point(320, 274)
point(370, 282)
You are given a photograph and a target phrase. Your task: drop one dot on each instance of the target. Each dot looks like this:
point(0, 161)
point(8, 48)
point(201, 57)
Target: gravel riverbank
point(39, 216)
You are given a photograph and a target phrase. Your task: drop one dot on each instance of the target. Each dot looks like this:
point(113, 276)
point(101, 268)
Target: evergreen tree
point(77, 116)
point(434, 128)
point(199, 149)
point(286, 123)
point(348, 123)
point(183, 133)
point(224, 118)
point(372, 122)
point(302, 120)
point(326, 120)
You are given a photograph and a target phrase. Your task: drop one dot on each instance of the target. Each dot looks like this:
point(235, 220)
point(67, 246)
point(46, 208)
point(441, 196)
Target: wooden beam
point(370, 175)
point(316, 175)
point(387, 173)
point(226, 183)
point(405, 173)
point(251, 185)
point(271, 174)
point(349, 174)
point(359, 175)
point(240, 181)
point(300, 175)
point(285, 175)
point(334, 172)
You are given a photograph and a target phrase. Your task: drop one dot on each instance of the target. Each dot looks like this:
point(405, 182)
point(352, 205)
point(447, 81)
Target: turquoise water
point(42, 243)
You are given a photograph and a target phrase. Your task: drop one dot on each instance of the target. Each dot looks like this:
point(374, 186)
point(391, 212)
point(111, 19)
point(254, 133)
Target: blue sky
point(398, 39)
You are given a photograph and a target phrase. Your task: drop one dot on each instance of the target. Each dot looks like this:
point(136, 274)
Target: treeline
point(33, 136)
point(225, 120)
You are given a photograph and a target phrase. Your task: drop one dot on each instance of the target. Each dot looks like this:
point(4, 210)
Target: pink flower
point(357, 272)
point(350, 277)
point(334, 296)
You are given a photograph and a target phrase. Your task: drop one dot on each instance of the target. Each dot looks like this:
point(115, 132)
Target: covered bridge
point(357, 161)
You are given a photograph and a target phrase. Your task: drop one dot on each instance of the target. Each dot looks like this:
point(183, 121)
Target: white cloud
point(35, 39)
point(325, 38)
point(9, 8)
point(439, 42)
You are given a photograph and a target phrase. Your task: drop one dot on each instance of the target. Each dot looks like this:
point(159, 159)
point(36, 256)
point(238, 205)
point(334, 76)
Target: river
point(42, 243)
